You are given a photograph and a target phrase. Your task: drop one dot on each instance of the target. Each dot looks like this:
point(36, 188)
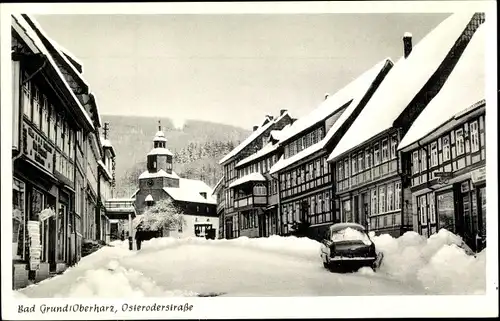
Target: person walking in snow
point(138, 236)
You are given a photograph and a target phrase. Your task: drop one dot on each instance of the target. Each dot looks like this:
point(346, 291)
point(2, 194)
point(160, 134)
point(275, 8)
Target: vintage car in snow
point(347, 245)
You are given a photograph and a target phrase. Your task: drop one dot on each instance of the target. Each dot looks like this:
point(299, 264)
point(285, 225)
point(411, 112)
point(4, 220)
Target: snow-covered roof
point(39, 44)
point(254, 135)
point(278, 134)
point(341, 226)
point(160, 136)
point(353, 93)
point(252, 177)
point(219, 182)
point(407, 34)
point(403, 82)
point(149, 198)
point(160, 173)
point(269, 148)
point(189, 191)
point(105, 168)
point(160, 151)
point(464, 87)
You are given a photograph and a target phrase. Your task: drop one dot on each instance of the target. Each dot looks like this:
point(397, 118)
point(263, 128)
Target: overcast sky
point(232, 69)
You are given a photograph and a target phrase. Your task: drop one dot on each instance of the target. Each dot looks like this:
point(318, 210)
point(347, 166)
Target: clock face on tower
point(150, 183)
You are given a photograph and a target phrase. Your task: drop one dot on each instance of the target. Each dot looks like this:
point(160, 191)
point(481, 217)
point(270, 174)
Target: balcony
point(250, 201)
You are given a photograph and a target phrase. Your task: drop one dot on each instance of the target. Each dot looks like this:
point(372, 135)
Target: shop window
point(346, 209)
point(422, 209)
point(446, 148)
point(460, 141)
point(445, 211)
point(18, 219)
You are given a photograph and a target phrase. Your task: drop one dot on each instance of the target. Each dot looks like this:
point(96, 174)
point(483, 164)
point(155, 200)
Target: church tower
point(159, 158)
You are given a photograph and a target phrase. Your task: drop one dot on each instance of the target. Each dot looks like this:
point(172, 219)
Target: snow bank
point(297, 246)
point(441, 263)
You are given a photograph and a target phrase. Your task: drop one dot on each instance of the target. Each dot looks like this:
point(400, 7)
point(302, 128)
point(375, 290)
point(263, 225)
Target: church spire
point(159, 125)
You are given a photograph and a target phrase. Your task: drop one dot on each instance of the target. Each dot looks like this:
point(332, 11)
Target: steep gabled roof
point(30, 32)
point(464, 88)
point(404, 81)
point(348, 98)
point(253, 136)
point(189, 191)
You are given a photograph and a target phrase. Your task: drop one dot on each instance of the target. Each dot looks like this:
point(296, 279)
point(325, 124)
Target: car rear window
point(350, 234)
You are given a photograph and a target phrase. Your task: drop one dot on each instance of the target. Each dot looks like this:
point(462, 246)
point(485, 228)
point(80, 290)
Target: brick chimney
point(255, 128)
point(407, 44)
point(283, 111)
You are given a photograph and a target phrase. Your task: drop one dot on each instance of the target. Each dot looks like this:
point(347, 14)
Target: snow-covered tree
point(163, 215)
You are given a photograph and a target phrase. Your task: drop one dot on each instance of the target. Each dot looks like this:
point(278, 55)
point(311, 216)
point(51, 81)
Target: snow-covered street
point(275, 266)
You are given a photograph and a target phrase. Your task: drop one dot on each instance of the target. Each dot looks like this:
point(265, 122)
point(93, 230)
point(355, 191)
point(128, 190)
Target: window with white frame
point(36, 107)
point(44, 124)
point(423, 159)
point(397, 196)
point(385, 150)
point(368, 158)
point(474, 136)
point(27, 98)
point(422, 208)
point(390, 197)
point(354, 162)
point(346, 168)
point(446, 148)
point(459, 134)
point(376, 155)
point(381, 199)
point(340, 167)
point(434, 154)
point(415, 165)
point(374, 201)
point(432, 209)
point(361, 161)
point(394, 144)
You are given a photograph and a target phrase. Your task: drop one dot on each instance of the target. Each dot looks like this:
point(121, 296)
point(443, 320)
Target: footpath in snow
point(274, 266)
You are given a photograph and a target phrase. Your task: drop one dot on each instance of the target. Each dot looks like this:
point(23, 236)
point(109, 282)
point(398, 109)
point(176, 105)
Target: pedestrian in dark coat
point(138, 236)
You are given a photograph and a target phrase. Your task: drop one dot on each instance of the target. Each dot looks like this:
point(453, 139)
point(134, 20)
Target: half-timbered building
point(370, 184)
point(305, 179)
point(446, 152)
